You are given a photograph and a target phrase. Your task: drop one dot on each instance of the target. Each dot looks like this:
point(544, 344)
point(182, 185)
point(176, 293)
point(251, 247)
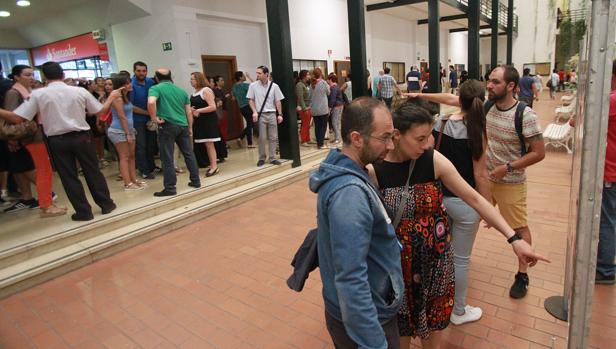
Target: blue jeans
point(145, 148)
point(607, 232)
point(464, 223)
point(168, 135)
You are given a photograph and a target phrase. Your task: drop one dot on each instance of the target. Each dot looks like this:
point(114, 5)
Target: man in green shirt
point(169, 107)
point(239, 91)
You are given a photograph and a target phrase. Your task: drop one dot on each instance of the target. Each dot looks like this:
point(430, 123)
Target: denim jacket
point(359, 255)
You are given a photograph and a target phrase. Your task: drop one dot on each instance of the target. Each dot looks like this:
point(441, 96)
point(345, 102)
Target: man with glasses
point(359, 255)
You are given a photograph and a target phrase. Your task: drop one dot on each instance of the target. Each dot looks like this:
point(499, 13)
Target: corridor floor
point(220, 283)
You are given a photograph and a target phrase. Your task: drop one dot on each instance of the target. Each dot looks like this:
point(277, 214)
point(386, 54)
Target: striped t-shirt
point(503, 141)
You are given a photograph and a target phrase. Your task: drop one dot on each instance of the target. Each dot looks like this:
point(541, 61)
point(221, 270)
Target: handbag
point(24, 130)
point(549, 83)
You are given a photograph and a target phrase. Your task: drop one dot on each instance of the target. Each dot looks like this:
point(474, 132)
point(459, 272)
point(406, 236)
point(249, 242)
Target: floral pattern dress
point(426, 254)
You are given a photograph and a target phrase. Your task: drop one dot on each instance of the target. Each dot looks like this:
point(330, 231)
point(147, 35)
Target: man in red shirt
point(561, 80)
point(606, 269)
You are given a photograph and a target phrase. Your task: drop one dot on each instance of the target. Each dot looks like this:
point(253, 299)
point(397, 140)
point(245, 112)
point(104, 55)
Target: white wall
point(391, 40)
point(458, 48)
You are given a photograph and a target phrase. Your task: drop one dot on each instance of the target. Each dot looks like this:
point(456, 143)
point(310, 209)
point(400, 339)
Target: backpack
point(519, 115)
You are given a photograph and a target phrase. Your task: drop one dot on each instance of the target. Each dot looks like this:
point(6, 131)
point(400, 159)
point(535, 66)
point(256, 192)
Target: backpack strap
point(519, 116)
point(488, 105)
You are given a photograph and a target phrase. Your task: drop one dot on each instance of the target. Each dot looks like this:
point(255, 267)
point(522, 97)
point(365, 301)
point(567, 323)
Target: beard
point(370, 156)
point(496, 97)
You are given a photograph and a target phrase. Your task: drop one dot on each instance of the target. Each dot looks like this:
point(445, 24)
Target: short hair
point(139, 64)
point(238, 75)
point(526, 71)
point(332, 77)
point(386, 70)
point(613, 67)
point(200, 79)
point(162, 77)
point(409, 114)
point(358, 117)
point(264, 69)
point(53, 70)
point(510, 74)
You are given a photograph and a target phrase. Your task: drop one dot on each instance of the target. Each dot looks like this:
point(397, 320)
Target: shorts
point(20, 161)
point(511, 201)
point(118, 136)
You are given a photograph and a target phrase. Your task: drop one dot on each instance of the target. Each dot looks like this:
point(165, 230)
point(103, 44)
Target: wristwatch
point(514, 237)
point(509, 167)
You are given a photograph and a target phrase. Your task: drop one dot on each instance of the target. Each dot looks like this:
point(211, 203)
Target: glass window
point(397, 70)
point(301, 64)
point(11, 58)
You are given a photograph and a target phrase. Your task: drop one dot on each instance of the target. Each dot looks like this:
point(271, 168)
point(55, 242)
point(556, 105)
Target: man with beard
point(506, 164)
point(359, 255)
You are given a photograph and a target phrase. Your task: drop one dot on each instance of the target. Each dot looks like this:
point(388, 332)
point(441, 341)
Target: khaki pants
point(268, 134)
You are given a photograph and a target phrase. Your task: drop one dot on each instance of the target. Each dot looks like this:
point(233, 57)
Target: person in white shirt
point(269, 107)
point(62, 110)
point(554, 81)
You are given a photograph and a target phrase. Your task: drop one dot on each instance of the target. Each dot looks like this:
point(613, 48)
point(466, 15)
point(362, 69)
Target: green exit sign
point(167, 46)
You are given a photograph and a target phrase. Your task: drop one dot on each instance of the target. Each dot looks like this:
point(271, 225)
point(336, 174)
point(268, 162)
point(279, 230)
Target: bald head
point(163, 74)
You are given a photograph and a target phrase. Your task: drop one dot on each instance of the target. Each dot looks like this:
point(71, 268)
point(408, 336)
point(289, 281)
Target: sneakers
point(470, 314)
point(520, 286)
point(4, 202)
point(604, 280)
point(22, 205)
point(54, 196)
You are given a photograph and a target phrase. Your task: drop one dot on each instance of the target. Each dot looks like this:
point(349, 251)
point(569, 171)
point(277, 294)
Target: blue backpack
point(519, 115)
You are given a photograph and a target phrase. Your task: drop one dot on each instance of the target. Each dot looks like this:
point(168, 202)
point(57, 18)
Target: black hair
point(163, 77)
point(139, 64)
point(410, 114)
point(432, 108)
point(264, 69)
point(386, 70)
point(614, 67)
point(526, 71)
point(53, 71)
point(358, 117)
point(238, 75)
point(18, 69)
point(472, 95)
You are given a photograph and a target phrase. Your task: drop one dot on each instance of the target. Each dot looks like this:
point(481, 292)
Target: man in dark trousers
point(63, 114)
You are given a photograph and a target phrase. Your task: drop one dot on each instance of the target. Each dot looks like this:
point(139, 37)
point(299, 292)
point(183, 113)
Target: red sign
point(103, 51)
point(78, 47)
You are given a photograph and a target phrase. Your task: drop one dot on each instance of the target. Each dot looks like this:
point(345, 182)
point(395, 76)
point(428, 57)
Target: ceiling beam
point(444, 18)
point(456, 30)
point(490, 35)
point(391, 4)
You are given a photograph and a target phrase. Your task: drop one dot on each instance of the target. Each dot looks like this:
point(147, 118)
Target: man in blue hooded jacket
point(359, 255)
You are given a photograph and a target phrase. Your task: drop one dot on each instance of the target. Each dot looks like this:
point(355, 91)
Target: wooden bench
point(559, 135)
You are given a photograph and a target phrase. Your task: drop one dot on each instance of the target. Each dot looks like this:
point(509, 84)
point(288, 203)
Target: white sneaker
point(470, 314)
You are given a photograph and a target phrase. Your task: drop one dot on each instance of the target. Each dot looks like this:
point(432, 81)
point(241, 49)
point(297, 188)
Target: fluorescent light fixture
point(4, 13)
point(23, 3)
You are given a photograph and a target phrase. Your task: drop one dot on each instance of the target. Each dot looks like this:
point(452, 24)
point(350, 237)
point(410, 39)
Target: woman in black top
point(423, 229)
point(205, 124)
point(461, 138)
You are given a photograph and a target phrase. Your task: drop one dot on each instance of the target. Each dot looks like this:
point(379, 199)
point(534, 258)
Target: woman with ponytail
point(461, 138)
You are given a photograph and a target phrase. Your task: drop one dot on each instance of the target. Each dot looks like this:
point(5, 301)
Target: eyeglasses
point(385, 138)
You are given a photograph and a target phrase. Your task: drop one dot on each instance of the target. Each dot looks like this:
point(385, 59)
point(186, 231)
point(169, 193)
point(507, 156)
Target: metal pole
point(510, 33)
point(474, 12)
point(357, 46)
point(434, 83)
point(282, 71)
point(494, 35)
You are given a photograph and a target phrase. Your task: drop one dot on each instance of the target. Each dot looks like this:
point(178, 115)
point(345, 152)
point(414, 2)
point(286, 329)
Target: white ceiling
point(38, 9)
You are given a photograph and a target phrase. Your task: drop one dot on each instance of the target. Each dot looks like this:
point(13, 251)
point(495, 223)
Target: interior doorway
point(232, 123)
point(343, 70)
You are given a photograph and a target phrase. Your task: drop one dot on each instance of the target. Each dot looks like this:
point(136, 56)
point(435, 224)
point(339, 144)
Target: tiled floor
point(220, 283)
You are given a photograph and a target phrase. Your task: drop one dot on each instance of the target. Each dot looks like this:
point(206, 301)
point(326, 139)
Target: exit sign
point(167, 46)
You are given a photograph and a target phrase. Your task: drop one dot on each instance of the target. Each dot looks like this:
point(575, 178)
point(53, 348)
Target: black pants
point(388, 101)
point(66, 150)
point(343, 341)
point(320, 127)
point(247, 114)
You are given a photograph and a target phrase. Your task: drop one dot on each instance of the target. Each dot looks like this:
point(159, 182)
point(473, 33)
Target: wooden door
point(342, 69)
point(232, 123)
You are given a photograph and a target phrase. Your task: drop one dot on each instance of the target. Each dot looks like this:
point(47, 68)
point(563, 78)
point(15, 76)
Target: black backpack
point(519, 115)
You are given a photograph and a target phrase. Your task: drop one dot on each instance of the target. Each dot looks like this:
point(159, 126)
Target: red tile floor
point(220, 283)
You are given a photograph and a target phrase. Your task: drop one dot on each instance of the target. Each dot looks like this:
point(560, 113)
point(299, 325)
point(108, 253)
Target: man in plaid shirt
point(387, 84)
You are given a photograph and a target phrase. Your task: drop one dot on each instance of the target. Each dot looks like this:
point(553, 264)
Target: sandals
point(211, 173)
point(133, 187)
point(53, 211)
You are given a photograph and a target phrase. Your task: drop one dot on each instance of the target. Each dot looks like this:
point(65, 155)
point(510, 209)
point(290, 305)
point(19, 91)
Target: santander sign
point(78, 47)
